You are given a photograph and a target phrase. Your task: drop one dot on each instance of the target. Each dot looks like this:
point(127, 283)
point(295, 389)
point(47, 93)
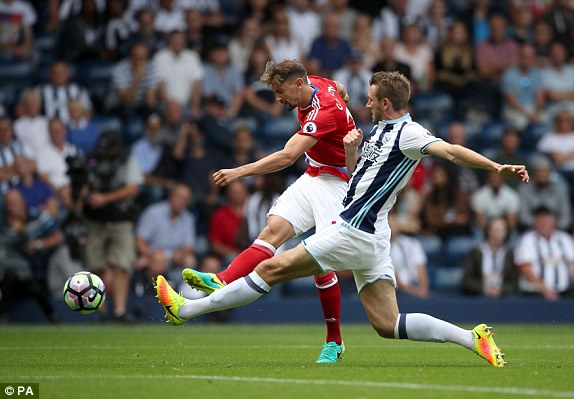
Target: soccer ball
point(84, 292)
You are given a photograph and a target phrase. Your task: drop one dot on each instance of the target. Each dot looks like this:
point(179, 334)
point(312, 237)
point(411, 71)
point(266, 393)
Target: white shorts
point(342, 247)
point(311, 201)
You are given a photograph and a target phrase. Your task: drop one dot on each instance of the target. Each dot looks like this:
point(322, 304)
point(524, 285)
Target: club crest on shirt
point(386, 139)
point(310, 128)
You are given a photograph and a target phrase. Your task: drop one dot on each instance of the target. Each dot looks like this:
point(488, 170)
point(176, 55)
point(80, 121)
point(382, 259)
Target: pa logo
point(310, 128)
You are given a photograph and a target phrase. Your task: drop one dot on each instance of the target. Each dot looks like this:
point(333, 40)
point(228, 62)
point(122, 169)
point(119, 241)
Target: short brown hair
point(283, 71)
point(394, 86)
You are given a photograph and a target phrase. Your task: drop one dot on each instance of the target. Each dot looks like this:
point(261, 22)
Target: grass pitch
point(277, 361)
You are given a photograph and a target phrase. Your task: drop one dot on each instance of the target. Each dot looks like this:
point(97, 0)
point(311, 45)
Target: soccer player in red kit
point(314, 199)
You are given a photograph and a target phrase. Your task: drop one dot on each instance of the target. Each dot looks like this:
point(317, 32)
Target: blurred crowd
point(114, 114)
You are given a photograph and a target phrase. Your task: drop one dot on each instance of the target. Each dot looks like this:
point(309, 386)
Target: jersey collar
point(405, 117)
point(315, 91)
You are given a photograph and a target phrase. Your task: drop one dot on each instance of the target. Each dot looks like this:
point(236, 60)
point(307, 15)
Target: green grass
point(278, 361)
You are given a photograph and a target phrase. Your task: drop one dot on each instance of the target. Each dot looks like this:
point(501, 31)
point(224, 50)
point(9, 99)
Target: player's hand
point(225, 176)
point(516, 171)
point(353, 139)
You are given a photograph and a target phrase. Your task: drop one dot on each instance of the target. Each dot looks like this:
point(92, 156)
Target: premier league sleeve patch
point(309, 128)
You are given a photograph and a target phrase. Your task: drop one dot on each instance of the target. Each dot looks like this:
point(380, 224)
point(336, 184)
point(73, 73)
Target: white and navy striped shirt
point(55, 99)
point(390, 153)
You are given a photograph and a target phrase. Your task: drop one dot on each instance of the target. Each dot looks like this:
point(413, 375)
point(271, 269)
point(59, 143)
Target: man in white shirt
point(180, 70)
point(32, 128)
point(16, 20)
point(545, 258)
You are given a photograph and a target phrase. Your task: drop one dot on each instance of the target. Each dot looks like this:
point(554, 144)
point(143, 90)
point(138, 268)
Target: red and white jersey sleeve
point(328, 120)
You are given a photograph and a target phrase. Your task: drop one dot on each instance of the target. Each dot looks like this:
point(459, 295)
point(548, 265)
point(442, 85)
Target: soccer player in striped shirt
point(360, 238)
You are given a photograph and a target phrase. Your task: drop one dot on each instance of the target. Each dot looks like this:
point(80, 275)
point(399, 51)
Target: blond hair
point(283, 71)
point(394, 86)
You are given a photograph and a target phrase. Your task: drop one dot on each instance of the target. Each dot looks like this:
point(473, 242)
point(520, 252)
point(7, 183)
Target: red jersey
point(328, 120)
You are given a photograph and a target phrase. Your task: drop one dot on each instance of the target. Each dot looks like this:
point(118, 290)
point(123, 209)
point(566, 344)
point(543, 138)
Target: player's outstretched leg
point(170, 300)
point(330, 296)
point(485, 346)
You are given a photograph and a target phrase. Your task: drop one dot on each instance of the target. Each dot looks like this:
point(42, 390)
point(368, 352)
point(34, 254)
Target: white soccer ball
point(84, 292)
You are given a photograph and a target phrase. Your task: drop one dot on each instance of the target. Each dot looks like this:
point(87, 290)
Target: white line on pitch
point(371, 384)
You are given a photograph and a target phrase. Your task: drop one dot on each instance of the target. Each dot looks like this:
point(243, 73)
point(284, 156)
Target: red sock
point(330, 295)
point(246, 261)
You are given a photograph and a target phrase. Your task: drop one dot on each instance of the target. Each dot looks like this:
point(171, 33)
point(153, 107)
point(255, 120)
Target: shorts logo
point(310, 128)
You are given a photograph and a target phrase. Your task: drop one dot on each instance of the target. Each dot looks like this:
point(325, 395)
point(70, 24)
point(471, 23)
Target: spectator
point(59, 91)
point(467, 180)
point(225, 222)
point(328, 51)
point(455, 67)
point(417, 54)
point(173, 117)
point(558, 81)
point(195, 32)
point(547, 192)
point(476, 18)
point(217, 126)
point(180, 72)
point(51, 162)
point(391, 20)
point(280, 41)
point(356, 77)
point(156, 162)
point(299, 14)
point(169, 17)
point(43, 235)
point(559, 145)
point(119, 28)
point(495, 199)
point(10, 149)
point(545, 258)
point(16, 25)
point(16, 277)
point(347, 16)
point(560, 16)
point(223, 80)
point(435, 24)
point(445, 207)
point(243, 149)
point(198, 164)
point(31, 128)
point(409, 261)
point(83, 132)
point(489, 269)
point(135, 82)
point(521, 25)
point(169, 228)
point(522, 91)
point(508, 152)
point(362, 39)
point(112, 186)
point(387, 60)
point(542, 39)
point(242, 45)
point(83, 35)
point(145, 33)
point(493, 57)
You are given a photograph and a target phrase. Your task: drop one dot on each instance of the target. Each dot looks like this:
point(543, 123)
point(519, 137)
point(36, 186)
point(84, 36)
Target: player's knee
point(277, 231)
point(269, 270)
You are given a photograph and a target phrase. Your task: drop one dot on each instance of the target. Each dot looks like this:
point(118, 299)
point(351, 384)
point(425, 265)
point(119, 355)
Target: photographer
point(112, 184)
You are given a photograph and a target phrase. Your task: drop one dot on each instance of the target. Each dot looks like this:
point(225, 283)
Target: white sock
point(240, 292)
point(422, 327)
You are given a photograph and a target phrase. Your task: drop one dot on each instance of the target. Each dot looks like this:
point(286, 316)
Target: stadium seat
point(456, 249)
point(15, 76)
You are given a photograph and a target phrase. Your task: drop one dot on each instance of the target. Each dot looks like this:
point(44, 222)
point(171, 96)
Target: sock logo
point(331, 320)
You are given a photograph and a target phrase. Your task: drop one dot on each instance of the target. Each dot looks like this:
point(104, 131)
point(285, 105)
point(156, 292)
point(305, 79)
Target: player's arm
point(342, 91)
point(295, 147)
point(352, 141)
point(463, 156)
